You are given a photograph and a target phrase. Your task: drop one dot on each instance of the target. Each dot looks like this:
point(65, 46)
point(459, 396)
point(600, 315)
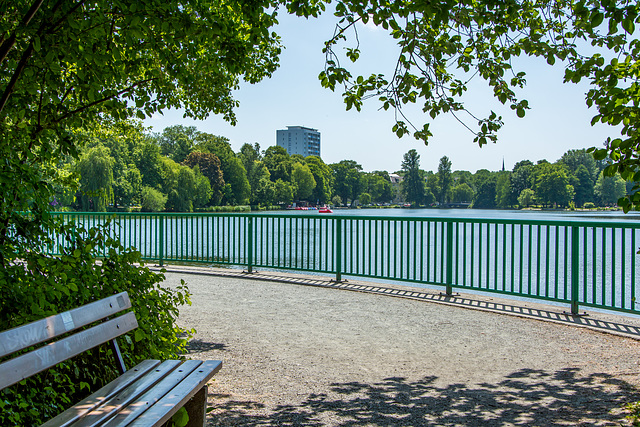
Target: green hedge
point(93, 268)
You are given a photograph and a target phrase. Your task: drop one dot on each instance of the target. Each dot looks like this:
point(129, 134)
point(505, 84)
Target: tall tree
point(302, 181)
point(485, 196)
point(413, 182)
point(503, 190)
point(347, 175)
point(323, 178)
point(462, 193)
point(279, 163)
point(521, 178)
point(209, 166)
point(96, 179)
point(235, 176)
point(609, 189)
point(551, 184)
point(583, 185)
point(176, 142)
point(445, 179)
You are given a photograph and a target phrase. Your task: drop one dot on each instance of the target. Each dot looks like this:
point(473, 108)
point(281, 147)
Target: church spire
point(503, 164)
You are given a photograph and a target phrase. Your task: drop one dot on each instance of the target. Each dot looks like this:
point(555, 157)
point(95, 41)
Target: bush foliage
point(91, 267)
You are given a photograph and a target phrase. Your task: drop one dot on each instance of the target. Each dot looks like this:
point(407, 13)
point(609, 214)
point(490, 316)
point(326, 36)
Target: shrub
point(43, 285)
point(153, 200)
point(589, 205)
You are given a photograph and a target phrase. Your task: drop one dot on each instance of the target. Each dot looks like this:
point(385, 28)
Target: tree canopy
point(444, 45)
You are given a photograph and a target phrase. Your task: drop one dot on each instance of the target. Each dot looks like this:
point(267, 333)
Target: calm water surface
point(479, 214)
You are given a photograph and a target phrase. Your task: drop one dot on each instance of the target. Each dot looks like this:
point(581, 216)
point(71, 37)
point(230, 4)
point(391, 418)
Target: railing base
point(447, 294)
point(583, 314)
point(338, 281)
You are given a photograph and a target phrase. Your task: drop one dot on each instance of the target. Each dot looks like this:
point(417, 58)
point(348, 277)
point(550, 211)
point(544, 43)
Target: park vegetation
point(124, 167)
point(74, 73)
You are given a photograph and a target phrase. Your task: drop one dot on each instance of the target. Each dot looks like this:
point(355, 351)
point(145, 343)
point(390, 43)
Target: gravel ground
point(303, 355)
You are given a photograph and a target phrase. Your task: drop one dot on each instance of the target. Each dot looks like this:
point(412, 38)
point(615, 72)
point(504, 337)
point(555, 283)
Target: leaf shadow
point(525, 397)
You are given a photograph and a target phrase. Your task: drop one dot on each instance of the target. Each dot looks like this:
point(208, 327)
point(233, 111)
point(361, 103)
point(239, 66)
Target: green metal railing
point(579, 263)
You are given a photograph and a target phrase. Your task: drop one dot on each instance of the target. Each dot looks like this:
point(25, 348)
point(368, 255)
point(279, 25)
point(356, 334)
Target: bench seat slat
point(42, 358)
point(108, 391)
point(37, 332)
point(146, 401)
point(116, 403)
point(166, 407)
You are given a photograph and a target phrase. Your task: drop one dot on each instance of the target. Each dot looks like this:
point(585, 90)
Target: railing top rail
point(629, 224)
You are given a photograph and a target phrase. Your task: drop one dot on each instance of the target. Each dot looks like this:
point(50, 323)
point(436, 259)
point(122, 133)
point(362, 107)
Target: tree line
point(574, 180)
point(182, 169)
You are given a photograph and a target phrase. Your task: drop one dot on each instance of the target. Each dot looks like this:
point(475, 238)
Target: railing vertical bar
point(375, 249)
point(538, 259)
point(521, 265)
point(161, 219)
point(480, 255)
point(402, 263)
point(512, 256)
point(472, 252)
point(585, 283)
point(575, 266)
point(429, 263)
point(623, 269)
point(464, 253)
point(443, 267)
point(389, 248)
point(546, 263)
point(250, 246)
point(495, 256)
point(338, 246)
point(449, 247)
point(613, 266)
point(634, 257)
point(356, 237)
point(395, 249)
point(282, 240)
point(529, 255)
point(566, 267)
point(488, 266)
point(504, 257)
point(457, 237)
point(557, 262)
point(603, 258)
point(414, 234)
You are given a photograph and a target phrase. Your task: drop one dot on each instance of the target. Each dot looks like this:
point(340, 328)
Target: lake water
point(525, 215)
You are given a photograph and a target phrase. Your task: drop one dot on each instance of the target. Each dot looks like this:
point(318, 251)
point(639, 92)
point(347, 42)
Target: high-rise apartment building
point(299, 140)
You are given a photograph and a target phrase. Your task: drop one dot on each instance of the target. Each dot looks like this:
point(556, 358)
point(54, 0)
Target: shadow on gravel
point(199, 346)
point(526, 397)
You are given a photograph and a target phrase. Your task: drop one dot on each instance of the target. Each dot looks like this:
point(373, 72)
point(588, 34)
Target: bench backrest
point(18, 368)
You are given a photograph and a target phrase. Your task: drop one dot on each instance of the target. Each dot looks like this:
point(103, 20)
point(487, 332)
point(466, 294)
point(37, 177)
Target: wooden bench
point(147, 395)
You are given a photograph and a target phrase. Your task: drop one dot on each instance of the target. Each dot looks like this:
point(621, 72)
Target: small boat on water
point(325, 210)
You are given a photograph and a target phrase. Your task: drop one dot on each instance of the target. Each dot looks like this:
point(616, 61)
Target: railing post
point(575, 267)
point(339, 250)
point(161, 239)
point(250, 247)
point(449, 258)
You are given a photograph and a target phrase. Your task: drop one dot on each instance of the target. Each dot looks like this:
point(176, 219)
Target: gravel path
point(301, 355)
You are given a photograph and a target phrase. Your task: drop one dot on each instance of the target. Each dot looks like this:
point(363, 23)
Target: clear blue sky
point(558, 120)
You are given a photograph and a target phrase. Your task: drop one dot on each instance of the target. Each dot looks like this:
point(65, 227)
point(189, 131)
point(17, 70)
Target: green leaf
point(597, 18)
point(180, 418)
point(628, 25)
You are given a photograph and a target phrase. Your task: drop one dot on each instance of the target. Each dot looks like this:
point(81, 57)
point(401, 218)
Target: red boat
point(325, 210)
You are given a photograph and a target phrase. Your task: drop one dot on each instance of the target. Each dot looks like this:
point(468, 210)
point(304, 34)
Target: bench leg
point(197, 408)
